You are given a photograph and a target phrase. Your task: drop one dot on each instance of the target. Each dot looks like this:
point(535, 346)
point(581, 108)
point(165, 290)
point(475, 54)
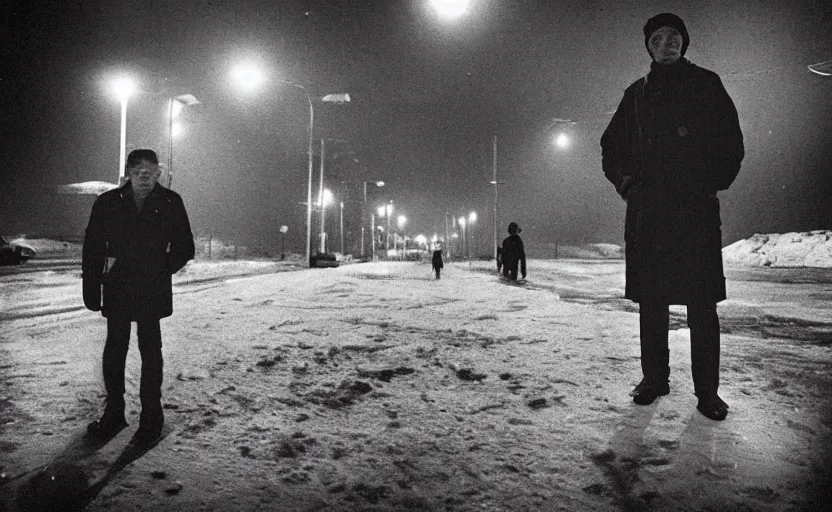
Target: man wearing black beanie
point(672, 144)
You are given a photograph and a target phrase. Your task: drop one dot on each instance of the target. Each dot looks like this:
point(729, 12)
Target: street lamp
point(389, 213)
point(364, 211)
point(562, 141)
point(472, 217)
point(342, 228)
point(123, 87)
point(461, 222)
point(451, 8)
point(175, 106)
point(248, 77)
point(283, 230)
point(324, 199)
point(401, 221)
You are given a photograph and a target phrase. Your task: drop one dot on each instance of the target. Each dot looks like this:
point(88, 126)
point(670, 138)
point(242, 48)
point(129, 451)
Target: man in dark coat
point(673, 143)
point(138, 236)
point(513, 253)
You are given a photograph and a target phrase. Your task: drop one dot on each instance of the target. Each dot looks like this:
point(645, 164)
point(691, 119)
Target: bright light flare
point(562, 141)
point(326, 199)
point(402, 220)
point(451, 8)
point(461, 221)
point(382, 210)
point(472, 217)
point(176, 129)
point(247, 76)
point(123, 87)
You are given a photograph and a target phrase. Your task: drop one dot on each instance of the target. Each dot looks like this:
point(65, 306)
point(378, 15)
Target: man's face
point(665, 45)
point(144, 175)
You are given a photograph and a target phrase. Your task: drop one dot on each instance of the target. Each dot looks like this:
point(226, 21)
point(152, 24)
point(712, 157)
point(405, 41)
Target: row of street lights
point(248, 78)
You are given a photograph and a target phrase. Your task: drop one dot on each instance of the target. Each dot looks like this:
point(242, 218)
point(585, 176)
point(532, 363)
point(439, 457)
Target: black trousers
point(115, 356)
point(510, 270)
point(654, 319)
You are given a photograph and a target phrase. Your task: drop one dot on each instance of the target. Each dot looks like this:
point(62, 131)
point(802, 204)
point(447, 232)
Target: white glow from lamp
point(451, 8)
point(247, 76)
point(124, 87)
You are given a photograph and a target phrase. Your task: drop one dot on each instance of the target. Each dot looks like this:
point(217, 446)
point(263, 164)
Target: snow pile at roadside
point(806, 249)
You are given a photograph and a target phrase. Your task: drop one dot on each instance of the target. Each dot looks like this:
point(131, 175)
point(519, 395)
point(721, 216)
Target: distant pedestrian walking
point(138, 236)
point(436, 260)
point(513, 253)
point(673, 142)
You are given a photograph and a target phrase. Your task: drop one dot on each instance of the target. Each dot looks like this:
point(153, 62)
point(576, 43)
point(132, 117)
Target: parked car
point(15, 253)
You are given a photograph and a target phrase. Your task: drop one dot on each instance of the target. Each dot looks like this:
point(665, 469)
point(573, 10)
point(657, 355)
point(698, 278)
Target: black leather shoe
point(647, 392)
point(713, 408)
point(150, 427)
point(110, 424)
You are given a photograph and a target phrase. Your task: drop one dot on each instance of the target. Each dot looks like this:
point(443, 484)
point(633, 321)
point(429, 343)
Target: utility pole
point(321, 196)
point(495, 183)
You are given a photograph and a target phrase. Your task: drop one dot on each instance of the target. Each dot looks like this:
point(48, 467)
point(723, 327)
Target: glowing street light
point(562, 140)
point(324, 199)
point(472, 217)
point(123, 87)
point(451, 8)
point(247, 76)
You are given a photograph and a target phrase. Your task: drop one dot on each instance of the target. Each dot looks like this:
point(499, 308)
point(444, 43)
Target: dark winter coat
point(148, 246)
point(514, 253)
point(673, 142)
point(436, 260)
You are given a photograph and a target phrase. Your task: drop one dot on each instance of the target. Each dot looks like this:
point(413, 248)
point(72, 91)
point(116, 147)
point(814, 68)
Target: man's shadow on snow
point(622, 458)
point(703, 445)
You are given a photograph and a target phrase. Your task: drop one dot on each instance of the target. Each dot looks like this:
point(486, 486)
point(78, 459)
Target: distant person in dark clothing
point(436, 260)
point(138, 236)
point(673, 143)
point(513, 253)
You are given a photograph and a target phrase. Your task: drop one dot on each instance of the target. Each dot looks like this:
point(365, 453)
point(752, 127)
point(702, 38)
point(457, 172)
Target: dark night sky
point(428, 96)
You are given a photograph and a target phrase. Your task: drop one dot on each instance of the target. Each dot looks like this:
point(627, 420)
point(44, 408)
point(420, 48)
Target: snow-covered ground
point(376, 387)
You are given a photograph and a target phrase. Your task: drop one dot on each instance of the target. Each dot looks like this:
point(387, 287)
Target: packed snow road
point(377, 387)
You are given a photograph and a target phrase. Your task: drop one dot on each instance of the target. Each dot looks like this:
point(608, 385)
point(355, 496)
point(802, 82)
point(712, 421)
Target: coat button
point(683, 132)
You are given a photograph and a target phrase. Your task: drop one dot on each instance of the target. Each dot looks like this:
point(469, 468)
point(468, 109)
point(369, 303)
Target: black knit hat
point(513, 228)
point(137, 155)
point(666, 19)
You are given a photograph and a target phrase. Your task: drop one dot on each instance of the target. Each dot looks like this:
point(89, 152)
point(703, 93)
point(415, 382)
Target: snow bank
point(806, 249)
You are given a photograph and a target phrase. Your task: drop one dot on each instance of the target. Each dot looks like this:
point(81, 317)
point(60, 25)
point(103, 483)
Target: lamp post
point(283, 230)
point(495, 184)
point(401, 222)
point(175, 106)
point(342, 228)
point(364, 213)
point(123, 87)
point(472, 217)
point(389, 212)
point(462, 223)
point(323, 200)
